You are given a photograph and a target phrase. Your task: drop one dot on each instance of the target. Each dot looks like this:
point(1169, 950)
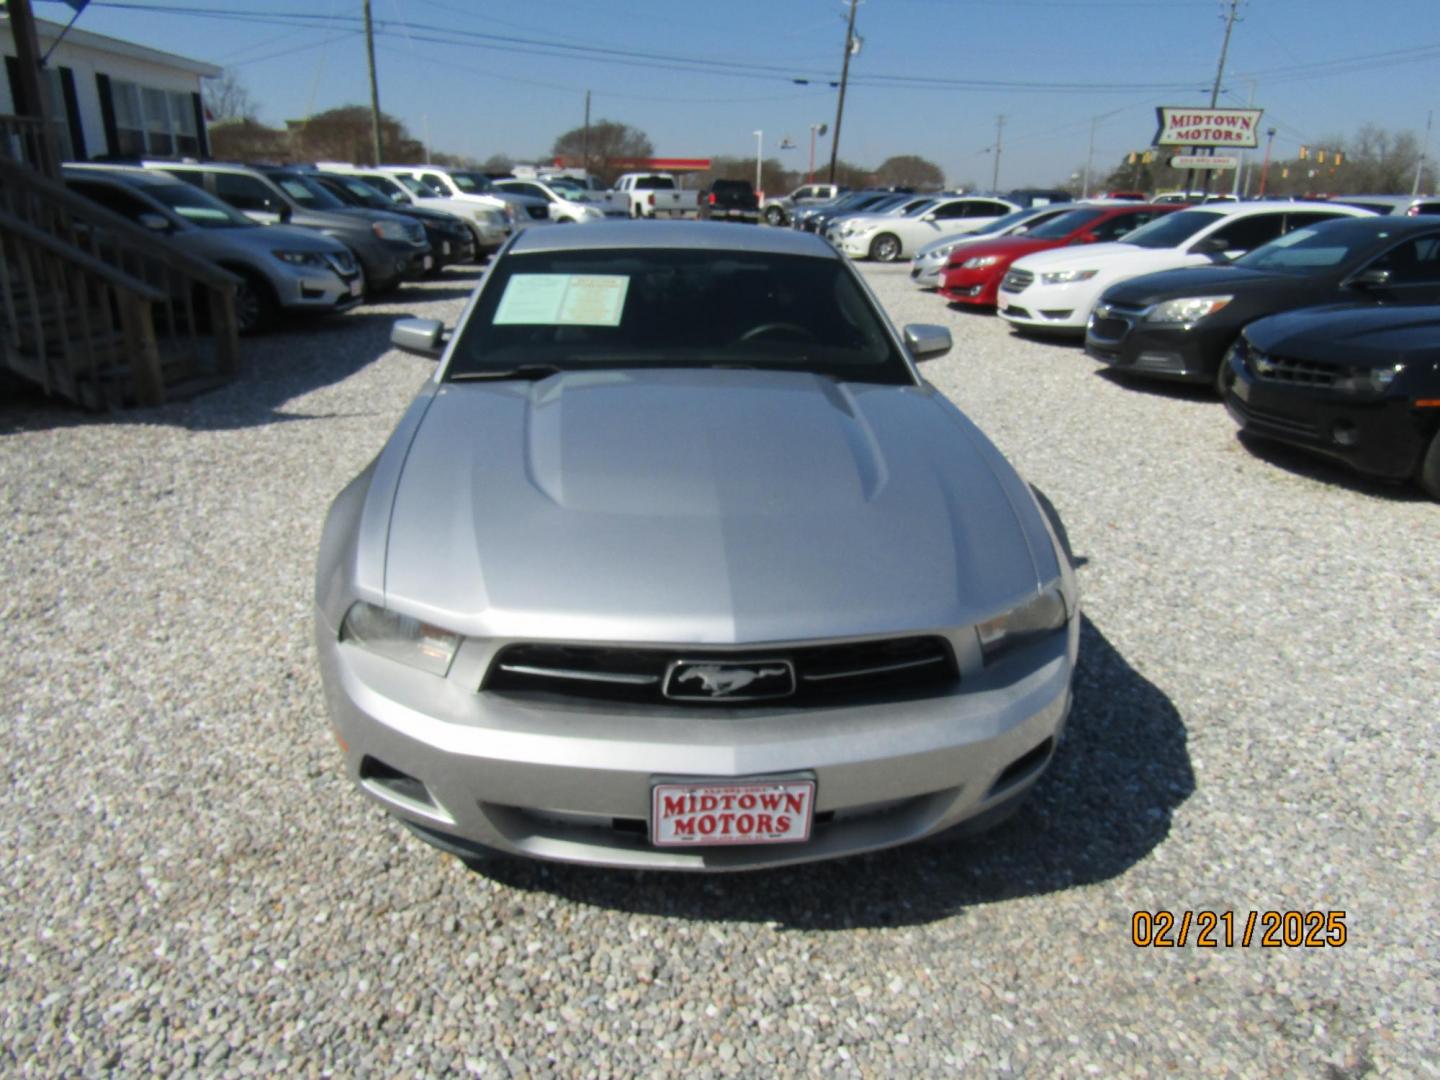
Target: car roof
point(129, 174)
point(657, 235)
point(1236, 209)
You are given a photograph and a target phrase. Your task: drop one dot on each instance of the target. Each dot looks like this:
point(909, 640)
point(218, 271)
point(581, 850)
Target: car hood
point(1204, 281)
point(1351, 335)
point(1009, 247)
point(706, 507)
point(1089, 256)
point(284, 238)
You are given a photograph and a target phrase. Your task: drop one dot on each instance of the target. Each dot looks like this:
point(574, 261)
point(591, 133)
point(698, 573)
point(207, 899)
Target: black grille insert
point(888, 669)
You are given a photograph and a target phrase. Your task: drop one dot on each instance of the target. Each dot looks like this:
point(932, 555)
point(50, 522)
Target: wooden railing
point(32, 141)
point(100, 310)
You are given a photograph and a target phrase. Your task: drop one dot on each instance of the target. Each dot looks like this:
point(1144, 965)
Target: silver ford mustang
point(679, 563)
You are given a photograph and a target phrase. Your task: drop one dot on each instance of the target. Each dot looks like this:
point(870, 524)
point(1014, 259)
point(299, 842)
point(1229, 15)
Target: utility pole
point(844, 78)
point(374, 86)
point(1230, 18)
point(1089, 159)
point(999, 132)
point(585, 144)
point(1424, 149)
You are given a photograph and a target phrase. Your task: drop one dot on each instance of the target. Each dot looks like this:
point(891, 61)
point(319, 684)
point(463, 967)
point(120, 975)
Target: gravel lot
point(189, 883)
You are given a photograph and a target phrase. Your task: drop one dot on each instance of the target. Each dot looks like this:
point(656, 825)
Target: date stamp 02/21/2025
point(1226, 929)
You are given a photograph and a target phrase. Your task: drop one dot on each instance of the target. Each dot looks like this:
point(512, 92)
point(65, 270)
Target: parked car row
point(1318, 323)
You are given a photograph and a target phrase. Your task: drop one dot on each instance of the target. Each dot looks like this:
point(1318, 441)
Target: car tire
point(256, 308)
point(1428, 475)
point(1222, 373)
point(774, 216)
point(885, 248)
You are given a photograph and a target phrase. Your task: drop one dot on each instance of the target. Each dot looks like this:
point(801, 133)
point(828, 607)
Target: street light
point(759, 149)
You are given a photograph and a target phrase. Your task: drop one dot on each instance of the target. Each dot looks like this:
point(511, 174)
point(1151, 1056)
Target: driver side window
point(245, 192)
point(1250, 232)
point(1414, 262)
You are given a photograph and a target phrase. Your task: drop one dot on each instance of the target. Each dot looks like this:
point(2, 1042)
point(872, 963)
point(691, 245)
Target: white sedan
point(886, 239)
point(1055, 291)
point(927, 266)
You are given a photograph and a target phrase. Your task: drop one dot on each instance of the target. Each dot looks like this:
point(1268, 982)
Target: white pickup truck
point(657, 195)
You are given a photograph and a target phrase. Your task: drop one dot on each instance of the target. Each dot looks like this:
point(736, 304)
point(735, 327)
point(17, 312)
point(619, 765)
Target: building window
point(153, 123)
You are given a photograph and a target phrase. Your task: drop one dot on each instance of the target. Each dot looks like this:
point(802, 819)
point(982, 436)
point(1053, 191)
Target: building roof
point(47, 32)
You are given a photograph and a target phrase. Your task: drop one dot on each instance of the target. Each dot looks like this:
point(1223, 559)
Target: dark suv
point(389, 248)
point(730, 200)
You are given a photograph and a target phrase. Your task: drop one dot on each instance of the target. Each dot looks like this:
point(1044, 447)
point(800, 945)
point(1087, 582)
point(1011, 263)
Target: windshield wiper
point(525, 373)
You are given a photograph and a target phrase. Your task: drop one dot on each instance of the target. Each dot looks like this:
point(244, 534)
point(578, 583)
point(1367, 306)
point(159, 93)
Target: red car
point(973, 273)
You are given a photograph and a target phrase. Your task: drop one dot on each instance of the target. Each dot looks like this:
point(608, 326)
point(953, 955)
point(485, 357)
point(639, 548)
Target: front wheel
point(774, 216)
point(885, 248)
point(255, 305)
point(1428, 474)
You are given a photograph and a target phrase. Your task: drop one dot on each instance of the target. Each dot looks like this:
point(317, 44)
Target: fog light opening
point(388, 780)
point(1345, 433)
point(1025, 765)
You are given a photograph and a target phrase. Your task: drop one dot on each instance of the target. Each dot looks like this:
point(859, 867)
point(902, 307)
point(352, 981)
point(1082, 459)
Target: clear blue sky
point(714, 72)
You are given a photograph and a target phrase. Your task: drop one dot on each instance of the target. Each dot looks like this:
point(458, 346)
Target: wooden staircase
point(99, 310)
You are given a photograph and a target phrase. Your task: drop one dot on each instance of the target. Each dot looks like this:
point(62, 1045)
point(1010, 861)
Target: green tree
point(608, 141)
point(910, 170)
point(248, 140)
point(344, 134)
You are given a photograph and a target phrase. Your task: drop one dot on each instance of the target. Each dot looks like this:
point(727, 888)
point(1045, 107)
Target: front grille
point(824, 674)
point(1017, 280)
point(1268, 367)
point(1109, 329)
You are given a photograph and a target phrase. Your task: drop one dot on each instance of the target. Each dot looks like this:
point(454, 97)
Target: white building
point(114, 98)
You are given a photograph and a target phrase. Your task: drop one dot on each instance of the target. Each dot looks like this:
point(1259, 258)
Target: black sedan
point(450, 238)
point(1177, 324)
point(1355, 382)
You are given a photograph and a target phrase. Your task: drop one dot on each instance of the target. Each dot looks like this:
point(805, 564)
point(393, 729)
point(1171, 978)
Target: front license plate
point(717, 812)
point(445, 247)
point(355, 287)
point(429, 262)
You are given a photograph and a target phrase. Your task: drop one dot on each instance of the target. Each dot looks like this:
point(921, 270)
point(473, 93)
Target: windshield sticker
point(563, 300)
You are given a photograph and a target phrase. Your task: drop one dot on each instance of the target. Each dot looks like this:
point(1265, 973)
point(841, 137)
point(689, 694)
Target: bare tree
point(910, 170)
point(226, 98)
point(607, 141)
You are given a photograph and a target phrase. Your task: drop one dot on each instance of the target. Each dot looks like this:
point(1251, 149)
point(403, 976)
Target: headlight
point(594, 212)
point(390, 230)
point(300, 258)
point(1064, 277)
point(942, 252)
point(979, 261)
point(399, 637)
point(1189, 309)
point(1374, 381)
point(1035, 618)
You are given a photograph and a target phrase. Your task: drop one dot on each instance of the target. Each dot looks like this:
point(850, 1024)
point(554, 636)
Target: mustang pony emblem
point(719, 681)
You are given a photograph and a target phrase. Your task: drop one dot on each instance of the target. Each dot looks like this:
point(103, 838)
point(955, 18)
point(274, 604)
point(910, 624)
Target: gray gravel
point(189, 884)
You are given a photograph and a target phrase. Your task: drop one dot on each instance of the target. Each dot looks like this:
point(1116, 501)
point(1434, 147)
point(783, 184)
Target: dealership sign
point(1182, 126)
point(1204, 161)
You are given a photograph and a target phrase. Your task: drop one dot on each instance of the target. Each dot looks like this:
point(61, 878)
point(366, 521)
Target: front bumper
point(556, 779)
point(1120, 337)
point(927, 273)
point(974, 287)
point(1051, 308)
point(1384, 437)
point(309, 288)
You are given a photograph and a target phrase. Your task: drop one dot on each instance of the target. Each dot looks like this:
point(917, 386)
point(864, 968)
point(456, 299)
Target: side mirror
point(1211, 245)
point(1373, 278)
point(926, 342)
point(422, 336)
point(154, 222)
point(928, 217)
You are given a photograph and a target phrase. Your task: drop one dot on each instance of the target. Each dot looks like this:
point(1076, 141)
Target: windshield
point(647, 308)
point(198, 207)
point(1057, 228)
point(470, 182)
point(1315, 247)
point(568, 188)
point(307, 192)
point(360, 192)
point(1172, 230)
point(387, 186)
point(655, 183)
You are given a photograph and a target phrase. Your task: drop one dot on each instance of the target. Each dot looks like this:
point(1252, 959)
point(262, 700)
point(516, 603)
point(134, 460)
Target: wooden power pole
point(374, 86)
point(844, 78)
